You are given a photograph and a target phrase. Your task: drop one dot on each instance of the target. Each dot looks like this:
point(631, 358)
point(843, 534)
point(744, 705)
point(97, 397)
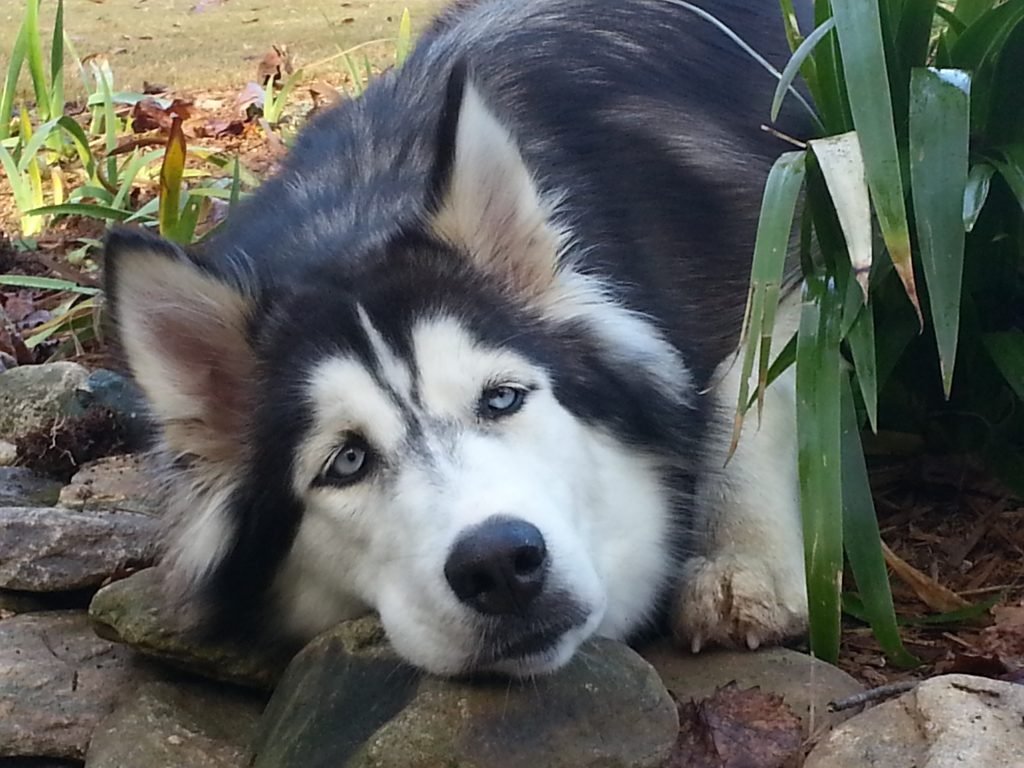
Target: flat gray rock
point(188, 724)
point(21, 487)
point(135, 611)
point(33, 397)
point(347, 700)
point(952, 721)
point(114, 482)
point(50, 549)
point(806, 684)
point(57, 680)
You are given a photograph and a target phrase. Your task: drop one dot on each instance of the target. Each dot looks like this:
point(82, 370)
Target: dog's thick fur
point(498, 293)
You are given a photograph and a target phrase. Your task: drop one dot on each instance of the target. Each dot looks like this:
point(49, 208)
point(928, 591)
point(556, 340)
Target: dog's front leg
point(746, 586)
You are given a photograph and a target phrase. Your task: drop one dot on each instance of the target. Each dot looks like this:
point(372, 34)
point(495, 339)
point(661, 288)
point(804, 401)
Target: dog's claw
point(696, 644)
point(753, 641)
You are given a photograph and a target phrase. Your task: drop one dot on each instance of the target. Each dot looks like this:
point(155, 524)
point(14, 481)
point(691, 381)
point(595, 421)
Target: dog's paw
point(739, 601)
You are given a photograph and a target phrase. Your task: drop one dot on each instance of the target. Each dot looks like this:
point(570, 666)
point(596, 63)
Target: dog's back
point(646, 118)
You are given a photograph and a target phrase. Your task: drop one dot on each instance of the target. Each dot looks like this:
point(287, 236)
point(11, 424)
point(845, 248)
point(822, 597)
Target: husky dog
point(466, 360)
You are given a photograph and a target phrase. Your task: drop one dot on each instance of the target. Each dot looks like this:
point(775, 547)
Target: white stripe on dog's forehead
point(453, 367)
point(347, 398)
point(391, 369)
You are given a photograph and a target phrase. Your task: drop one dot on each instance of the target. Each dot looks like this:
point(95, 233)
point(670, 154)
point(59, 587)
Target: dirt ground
point(211, 43)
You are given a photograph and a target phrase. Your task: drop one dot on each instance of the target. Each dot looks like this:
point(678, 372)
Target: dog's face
point(453, 434)
point(446, 486)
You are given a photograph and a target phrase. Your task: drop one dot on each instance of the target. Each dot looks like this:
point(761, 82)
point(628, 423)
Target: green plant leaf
point(1007, 351)
point(862, 538)
point(404, 42)
point(818, 379)
point(32, 146)
point(14, 65)
point(858, 26)
point(979, 181)
point(34, 54)
point(47, 284)
point(979, 50)
point(778, 205)
point(80, 142)
point(171, 173)
point(353, 73)
point(57, 64)
point(939, 139)
point(796, 64)
point(842, 165)
point(92, 210)
point(914, 29)
point(858, 330)
point(1009, 161)
point(236, 183)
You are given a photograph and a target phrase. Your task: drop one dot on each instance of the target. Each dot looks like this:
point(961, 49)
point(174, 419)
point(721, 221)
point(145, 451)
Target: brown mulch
point(964, 532)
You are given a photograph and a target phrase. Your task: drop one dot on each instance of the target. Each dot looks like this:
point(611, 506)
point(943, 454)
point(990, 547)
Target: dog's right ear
point(184, 334)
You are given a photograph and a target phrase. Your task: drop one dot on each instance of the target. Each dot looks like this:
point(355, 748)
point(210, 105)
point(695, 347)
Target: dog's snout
point(499, 566)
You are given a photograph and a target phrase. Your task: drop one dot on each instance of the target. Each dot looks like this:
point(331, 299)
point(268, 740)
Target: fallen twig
point(872, 695)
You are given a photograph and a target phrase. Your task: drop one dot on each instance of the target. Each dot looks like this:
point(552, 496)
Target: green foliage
point(28, 46)
point(923, 116)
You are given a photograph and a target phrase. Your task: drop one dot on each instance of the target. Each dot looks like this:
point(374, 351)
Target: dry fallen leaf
point(275, 65)
point(1005, 638)
point(736, 728)
point(149, 115)
point(930, 592)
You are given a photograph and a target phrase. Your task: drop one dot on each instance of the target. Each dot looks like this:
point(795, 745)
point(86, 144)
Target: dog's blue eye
point(501, 401)
point(348, 465)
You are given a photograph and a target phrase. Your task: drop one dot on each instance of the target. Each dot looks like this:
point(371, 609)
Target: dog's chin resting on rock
point(467, 359)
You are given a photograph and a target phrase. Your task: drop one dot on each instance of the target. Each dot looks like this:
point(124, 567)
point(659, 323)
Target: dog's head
point(454, 427)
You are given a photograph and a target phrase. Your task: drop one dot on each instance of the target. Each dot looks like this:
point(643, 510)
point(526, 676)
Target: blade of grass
point(795, 39)
point(353, 73)
point(859, 30)
point(57, 64)
point(41, 333)
point(170, 179)
point(35, 142)
point(47, 284)
point(236, 183)
point(80, 142)
point(404, 42)
point(92, 210)
point(861, 538)
point(778, 206)
point(34, 54)
point(818, 379)
point(17, 58)
point(830, 96)
point(131, 169)
point(797, 64)
point(939, 139)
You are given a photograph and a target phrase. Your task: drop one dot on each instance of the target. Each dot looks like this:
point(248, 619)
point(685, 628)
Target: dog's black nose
point(498, 567)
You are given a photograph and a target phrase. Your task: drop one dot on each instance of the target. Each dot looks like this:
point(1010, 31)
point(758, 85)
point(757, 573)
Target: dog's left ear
point(485, 200)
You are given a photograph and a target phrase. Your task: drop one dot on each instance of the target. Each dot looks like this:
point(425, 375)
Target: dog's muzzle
point(499, 568)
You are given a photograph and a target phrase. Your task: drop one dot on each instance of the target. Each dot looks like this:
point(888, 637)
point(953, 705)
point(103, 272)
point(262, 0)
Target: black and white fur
point(504, 287)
